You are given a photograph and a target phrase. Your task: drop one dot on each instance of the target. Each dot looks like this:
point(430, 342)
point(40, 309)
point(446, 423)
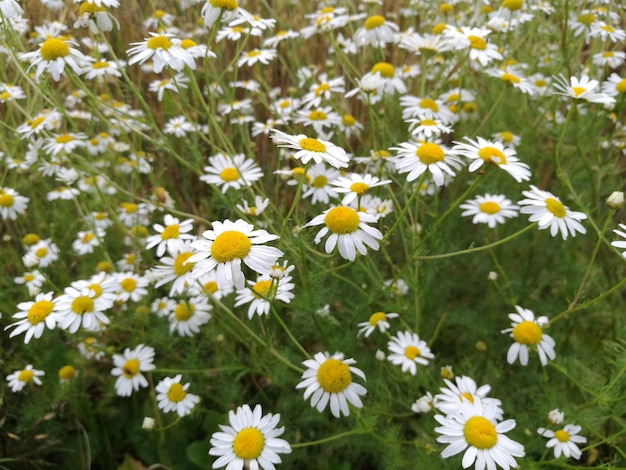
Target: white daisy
point(249, 58)
point(308, 148)
point(189, 315)
point(18, 379)
point(163, 50)
point(33, 280)
point(348, 231)
point(328, 379)
point(85, 242)
point(473, 428)
point(482, 151)
point(464, 389)
point(621, 244)
point(224, 10)
point(82, 305)
point(171, 236)
point(34, 317)
point(12, 203)
point(251, 440)
point(263, 292)
point(546, 209)
point(53, 55)
point(173, 396)
point(614, 85)
point(377, 321)
point(581, 89)
point(175, 269)
point(564, 441)
point(527, 332)
point(489, 209)
point(228, 172)
point(376, 31)
point(319, 188)
point(407, 350)
point(417, 158)
point(131, 286)
point(228, 244)
point(129, 367)
point(355, 186)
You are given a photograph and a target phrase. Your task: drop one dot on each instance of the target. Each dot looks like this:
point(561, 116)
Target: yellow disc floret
point(39, 311)
point(130, 368)
point(342, 220)
point(312, 145)
point(492, 155)
point(374, 22)
point(479, 432)
point(248, 443)
point(411, 352)
point(429, 153)
point(230, 245)
point(555, 207)
point(527, 332)
point(489, 207)
point(176, 393)
point(334, 376)
point(54, 48)
point(159, 42)
point(385, 69)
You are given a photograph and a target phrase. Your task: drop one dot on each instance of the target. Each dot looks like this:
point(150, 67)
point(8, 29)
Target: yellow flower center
point(264, 289)
point(621, 86)
point(25, 376)
point(374, 22)
point(82, 304)
point(176, 393)
point(587, 19)
point(28, 277)
point(312, 145)
point(97, 289)
point(229, 174)
point(476, 42)
point(41, 252)
point(428, 122)
point(608, 28)
point(334, 376)
point(180, 267)
point(506, 136)
point(64, 139)
point(555, 207)
point(87, 237)
point(128, 284)
point(479, 432)
point(411, 352)
point(317, 115)
point(105, 266)
point(468, 396)
point(377, 317)
point(385, 69)
point(509, 77)
point(562, 435)
point(359, 188)
point(184, 311)
point(131, 368)
point(187, 43)
point(446, 8)
point(159, 42)
point(35, 122)
point(492, 155)
point(211, 287)
point(319, 181)
point(342, 220)
point(230, 245)
point(438, 28)
point(129, 207)
point(428, 103)
point(30, 239)
point(429, 153)
point(348, 120)
point(39, 311)
point(321, 89)
point(527, 332)
point(224, 4)
point(89, 8)
point(53, 48)
point(578, 90)
point(489, 207)
point(513, 5)
point(248, 443)
point(67, 372)
point(6, 200)
point(171, 231)
point(254, 53)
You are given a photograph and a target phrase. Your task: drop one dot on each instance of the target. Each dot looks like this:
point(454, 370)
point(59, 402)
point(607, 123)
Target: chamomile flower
point(131, 286)
point(319, 119)
point(172, 395)
point(175, 84)
point(179, 126)
point(250, 441)
point(64, 143)
point(249, 58)
point(527, 332)
point(263, 292)
point(472, 428)
point(377, 321)
point(224, 10)
point(129, 367)
point(85, 242)
point(308, 148)
point(323, 89)
point(34, 317)
point(424, 404)
point(43, 253)
point(416, 158)
point(18, 379)
point(475, 39)
point(33, 280)
point(319, 188)
point(489, 209)
point(256, 209)
point(328, 380)
point(389, 82)
point(482, 151)
point(12, 203)
point(464, 389)
point(189, 315)
point(407, 350)
point(53, 55)
point(426, 128)
point(229, 244)
point(614, 85)
point(376, 31)
point(174, 269)
point(171, 236)
point(564, 441)
point(621, 244)
point(96, 18)
point(82, 304)
point(349, 231)
point(581, 89)
point(546, 209)
point(163, 50)
point(231, 172)
point(356, 186)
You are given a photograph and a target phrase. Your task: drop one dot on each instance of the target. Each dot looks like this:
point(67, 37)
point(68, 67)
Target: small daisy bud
point(380, 355)
point(324, 311)
point(528, 432)
point(148, 424)
point(423, 404)
point(556, 416)
point(615, 200)
point(447, 373)
point(492, 276)
point(481, 346)
point(6, 238)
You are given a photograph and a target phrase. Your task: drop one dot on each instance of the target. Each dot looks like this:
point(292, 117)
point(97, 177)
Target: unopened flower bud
point(615, 200)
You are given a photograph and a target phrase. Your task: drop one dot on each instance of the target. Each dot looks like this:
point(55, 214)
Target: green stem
point(327, 439)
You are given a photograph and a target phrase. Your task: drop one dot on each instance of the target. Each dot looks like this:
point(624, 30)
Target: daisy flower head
point(376, 31)
point(86, 241)
point(564, 441)
point(12, 203)
point(175, 269)
point(18, 379)
point(556, 416)
point(416, 158)
point(527, 332)
point(621, 244)
point(171, 236)
point(250, 441)
point(229, 244)
point(249, 58)
point(263, 292)
point(34, 317)
point(581, 89)
point(546, 209)
point(348, 231)
point(189, 315)
point(173, 396)
point(390, 83)
point(328, 379)
point(377, 321)
point(481, 51)
point(482, 151)
point(223, 10)
point(427, 128)
point(163, 50)
point(33, 280)
point(43, 253)
point(489, 209)
point(473, 428)
point(464, 389)
point(129, 367)
point(309, 148)
point(319, 188)
point(407, 350)
point(614, 85)
point(53, 55)
point(231, 172)
point(355, 186)
point(83, 304)
point(131, 286)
